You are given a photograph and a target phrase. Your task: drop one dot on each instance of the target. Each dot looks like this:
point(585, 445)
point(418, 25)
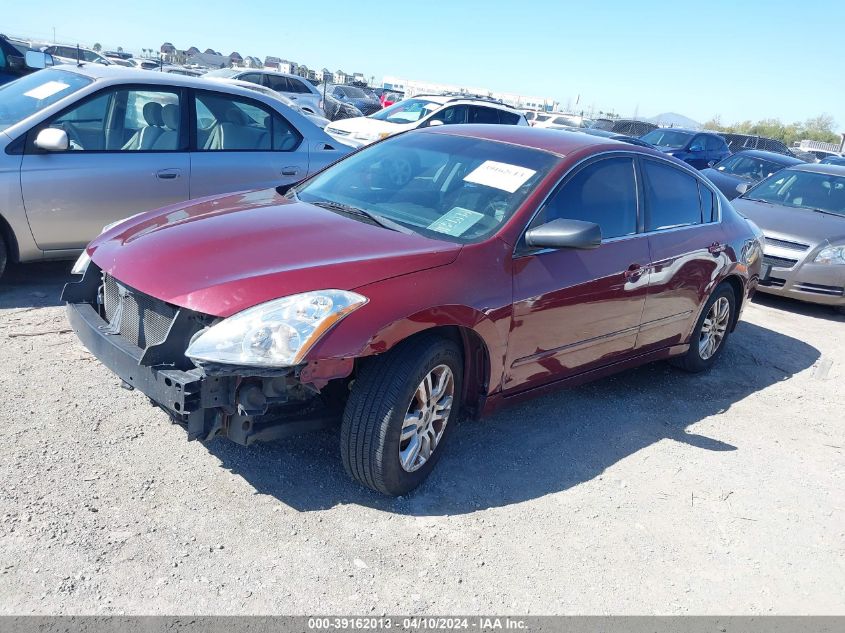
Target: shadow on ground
point(803, 308)
point(540, 447)
point(34, 285)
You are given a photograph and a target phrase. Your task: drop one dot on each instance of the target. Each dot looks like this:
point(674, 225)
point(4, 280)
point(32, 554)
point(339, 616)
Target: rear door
point(124, 157)
point(687, 245)
point(240, 143)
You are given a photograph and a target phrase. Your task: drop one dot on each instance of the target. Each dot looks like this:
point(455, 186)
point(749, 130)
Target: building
point(282, 65)
point(208, 60)
point(413, 87)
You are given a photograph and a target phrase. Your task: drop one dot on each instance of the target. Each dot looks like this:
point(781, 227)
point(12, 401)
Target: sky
point(738, 59)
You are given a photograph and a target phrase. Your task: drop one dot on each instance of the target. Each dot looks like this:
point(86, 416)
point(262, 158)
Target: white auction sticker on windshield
point(47, 89)
point(500, 175)
point(456, 222)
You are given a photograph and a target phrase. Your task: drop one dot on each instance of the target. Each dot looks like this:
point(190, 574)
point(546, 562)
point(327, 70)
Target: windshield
point(667, 138)
point(408, 111)
point(352, 92)
point(748, 167)
point(446, 187)
point(802, 189)
point(27, 95)
point(223, 72)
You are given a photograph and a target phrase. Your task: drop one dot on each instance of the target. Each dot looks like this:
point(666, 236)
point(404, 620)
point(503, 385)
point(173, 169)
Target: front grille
point(779, 262)
point(833, 291)
point(141, 319)
point(792, 246)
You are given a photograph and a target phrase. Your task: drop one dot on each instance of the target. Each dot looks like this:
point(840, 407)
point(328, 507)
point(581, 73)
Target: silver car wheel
point(426, 418)
point(400, 172)
point(714, 328)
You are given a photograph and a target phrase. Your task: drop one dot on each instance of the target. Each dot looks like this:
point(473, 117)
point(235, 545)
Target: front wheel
point(400, 410)
point(711, 332)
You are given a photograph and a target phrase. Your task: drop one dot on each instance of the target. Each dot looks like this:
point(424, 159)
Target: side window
point(451, 115)
point(508, 118)
point(699, 144)
point(229, 123)
point(277, 83)
point(671, 197)
point(297, 86)
point(483, 115)
point(253, 78)
point(124, 120)
point(714, 144)
point(604, 192)
point(708, 204)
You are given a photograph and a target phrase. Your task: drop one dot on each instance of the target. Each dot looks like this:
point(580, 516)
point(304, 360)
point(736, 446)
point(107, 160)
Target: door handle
point(290, 171)
point(634, 272)
point(715, 248)
point(168, 174)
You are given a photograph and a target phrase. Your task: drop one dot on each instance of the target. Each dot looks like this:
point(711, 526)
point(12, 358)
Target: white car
point(423, 111)
point(559, 121)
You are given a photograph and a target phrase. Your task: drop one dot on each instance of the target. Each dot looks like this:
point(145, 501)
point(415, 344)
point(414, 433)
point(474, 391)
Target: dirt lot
point(649, 492)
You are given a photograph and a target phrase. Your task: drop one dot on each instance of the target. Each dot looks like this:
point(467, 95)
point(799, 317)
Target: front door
point(127, 154)
point(243, 144)
point(576, 310)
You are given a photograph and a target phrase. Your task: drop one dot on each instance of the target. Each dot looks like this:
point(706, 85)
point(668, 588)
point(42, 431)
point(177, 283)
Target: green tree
point(98, 47)
point(819, 128)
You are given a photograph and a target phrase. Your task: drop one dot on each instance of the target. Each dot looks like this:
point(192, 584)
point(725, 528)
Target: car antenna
point(78, 55)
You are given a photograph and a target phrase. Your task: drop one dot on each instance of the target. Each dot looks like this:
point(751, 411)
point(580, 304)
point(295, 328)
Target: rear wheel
point(711, 332)
point(399, 414)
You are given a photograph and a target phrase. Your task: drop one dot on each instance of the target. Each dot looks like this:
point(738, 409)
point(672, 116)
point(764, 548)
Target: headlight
point(364, 136)
point(81, 264)
point(275, 334)
point(831, 255)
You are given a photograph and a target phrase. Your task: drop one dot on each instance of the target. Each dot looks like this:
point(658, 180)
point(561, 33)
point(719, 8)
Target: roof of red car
point(555, 141)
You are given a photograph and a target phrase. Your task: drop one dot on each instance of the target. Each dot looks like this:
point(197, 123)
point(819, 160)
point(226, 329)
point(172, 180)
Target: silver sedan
point(801, 211)
point(84, 146)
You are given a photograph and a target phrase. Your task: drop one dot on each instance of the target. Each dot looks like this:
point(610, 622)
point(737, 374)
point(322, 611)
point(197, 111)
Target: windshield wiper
point(375, 217)
point(839, 215)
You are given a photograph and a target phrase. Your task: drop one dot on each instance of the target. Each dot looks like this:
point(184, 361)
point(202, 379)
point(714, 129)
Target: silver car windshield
point(452, 188)
point(408, 111)
point(26, 96)
point(804, 190)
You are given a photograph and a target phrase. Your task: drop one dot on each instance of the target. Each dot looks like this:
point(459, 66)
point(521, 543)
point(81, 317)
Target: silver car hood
point(791, 223)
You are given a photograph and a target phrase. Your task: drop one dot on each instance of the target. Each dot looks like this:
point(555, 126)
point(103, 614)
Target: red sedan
point(452, 269)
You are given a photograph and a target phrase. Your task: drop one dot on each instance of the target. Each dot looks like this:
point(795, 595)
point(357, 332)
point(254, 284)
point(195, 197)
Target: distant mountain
point(674, 119)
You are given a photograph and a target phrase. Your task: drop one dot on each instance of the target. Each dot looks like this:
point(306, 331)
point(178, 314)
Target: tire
point(382, 402)
point(700, 357)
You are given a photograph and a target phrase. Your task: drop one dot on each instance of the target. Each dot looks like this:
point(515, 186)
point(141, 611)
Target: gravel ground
point(650, 492)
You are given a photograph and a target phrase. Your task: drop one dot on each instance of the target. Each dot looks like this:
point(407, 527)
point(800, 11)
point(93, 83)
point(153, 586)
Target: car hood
point(790, 223)
point(368, 125)
point(223, 254)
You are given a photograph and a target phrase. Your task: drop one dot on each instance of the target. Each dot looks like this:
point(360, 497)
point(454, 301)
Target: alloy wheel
point(426, 418)
point(714, 328)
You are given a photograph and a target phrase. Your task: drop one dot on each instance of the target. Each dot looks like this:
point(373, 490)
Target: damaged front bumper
point(217, 401)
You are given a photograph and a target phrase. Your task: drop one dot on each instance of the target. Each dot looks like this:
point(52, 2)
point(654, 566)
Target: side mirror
point(36, 59)
point(435, 123)
point(742, 188)
point(52, 139)
point(563, 233)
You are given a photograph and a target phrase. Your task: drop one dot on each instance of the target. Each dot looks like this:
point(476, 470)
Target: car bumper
point(245, 408)
point(814, 283)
